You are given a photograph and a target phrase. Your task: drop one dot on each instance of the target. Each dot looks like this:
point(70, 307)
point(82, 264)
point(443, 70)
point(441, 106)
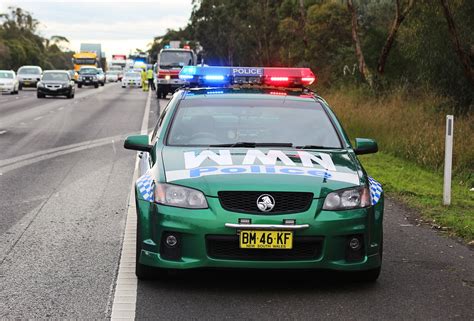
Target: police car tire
point(368, 276)
point(145, 272)
point(96, 86)
point(40, 95)
point(79, 85)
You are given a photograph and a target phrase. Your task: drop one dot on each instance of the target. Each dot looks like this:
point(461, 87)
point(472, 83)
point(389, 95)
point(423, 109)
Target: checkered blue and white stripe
point(145, 187)
point(375, 190)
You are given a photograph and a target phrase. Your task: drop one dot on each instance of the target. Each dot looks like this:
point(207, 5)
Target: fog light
point(354, 244)
point(171, 240)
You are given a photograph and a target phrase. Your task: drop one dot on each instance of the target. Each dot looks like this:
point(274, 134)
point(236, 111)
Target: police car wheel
point(368, 276)
point(79, 85)
point(145, 272)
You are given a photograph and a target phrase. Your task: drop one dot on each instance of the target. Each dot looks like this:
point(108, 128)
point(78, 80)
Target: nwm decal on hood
point(257, 162)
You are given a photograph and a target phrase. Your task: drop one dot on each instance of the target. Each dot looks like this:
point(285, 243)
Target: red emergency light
point(288, 76)
point(269, 76)
point(186, 47)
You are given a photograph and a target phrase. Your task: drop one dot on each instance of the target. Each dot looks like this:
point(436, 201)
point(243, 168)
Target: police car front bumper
point(204, 240)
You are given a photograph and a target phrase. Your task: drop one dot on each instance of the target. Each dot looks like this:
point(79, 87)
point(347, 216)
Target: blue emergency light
point(224, 76)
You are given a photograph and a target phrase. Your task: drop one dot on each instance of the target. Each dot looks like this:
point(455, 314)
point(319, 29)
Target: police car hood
point(214, 170)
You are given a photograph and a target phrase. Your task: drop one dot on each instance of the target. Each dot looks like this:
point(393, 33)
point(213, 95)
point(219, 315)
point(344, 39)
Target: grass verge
point(408, 126)
point(423, 190)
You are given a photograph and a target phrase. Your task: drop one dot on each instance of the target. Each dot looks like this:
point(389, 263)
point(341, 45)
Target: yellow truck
point(84, 59)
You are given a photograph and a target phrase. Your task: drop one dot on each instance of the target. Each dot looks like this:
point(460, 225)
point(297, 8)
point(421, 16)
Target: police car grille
point(226, 247)
point(246, 202)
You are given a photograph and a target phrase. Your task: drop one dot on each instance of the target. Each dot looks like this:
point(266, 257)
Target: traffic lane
point(82, 124)
point(98, 114)
point(60, 259)
point(25, 99)
point(60, 253)
point(27, 104)
point(424, 276)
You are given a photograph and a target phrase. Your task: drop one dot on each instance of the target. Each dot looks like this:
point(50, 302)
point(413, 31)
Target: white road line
point(10, 164)
point(38, 118)
point(125, 296)
point(2, 132)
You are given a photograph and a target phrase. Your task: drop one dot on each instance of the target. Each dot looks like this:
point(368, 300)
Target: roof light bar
point(226, 76)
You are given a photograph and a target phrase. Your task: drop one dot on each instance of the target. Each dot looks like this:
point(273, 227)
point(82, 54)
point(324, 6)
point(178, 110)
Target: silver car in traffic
point(29, 76)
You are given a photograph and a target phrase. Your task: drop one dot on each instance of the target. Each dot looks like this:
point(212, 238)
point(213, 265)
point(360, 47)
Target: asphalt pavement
point(64, 186)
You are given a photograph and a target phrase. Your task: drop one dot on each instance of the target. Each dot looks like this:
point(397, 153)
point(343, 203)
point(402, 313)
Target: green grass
point(422, 190)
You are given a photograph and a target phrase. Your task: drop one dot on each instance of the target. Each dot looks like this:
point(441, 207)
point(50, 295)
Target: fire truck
point(169, 64)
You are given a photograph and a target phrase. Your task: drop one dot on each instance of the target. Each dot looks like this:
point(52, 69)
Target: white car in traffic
point(112, 76)
point(29, 76)
point(8, 82)
point(132, 79)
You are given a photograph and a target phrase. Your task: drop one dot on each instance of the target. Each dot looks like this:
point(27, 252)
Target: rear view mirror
point(365, 146)
point(138, 142)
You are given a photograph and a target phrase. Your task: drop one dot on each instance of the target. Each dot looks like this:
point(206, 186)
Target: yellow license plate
point(266, 240)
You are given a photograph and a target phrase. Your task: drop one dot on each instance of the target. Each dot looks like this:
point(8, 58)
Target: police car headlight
point(347, 199)
point(179, 196)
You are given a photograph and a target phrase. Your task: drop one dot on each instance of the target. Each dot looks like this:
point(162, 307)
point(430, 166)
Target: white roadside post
point(448, 159)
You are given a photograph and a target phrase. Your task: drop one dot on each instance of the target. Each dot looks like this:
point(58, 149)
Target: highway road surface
point(65, 183)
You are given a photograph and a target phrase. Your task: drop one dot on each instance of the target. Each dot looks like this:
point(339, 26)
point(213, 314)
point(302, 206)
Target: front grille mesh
point(226, 247)
point(246, 202)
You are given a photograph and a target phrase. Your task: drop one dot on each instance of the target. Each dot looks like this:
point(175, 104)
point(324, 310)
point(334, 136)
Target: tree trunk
point(363, 69)
point(397, 21)
point(303, 23)
point(465, 58)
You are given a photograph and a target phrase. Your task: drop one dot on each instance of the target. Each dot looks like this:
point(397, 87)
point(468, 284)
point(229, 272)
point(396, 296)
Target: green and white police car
point(246, 168)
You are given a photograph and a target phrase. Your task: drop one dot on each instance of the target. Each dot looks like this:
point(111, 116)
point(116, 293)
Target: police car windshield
point(258, 122)
point(170, 59)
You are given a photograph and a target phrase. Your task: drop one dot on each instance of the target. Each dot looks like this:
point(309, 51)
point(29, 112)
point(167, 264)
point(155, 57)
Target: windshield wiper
point(313, 147)
point(253, 144)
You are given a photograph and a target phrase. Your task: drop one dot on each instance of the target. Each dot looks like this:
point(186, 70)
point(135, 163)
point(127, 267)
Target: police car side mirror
point(138, 142)
point(365, 146)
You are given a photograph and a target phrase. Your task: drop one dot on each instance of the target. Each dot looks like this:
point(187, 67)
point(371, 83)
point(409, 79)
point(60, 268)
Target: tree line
point(20, 43)
point(381, 44)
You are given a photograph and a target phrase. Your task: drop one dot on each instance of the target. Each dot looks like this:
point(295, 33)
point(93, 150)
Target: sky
point(120, 26)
